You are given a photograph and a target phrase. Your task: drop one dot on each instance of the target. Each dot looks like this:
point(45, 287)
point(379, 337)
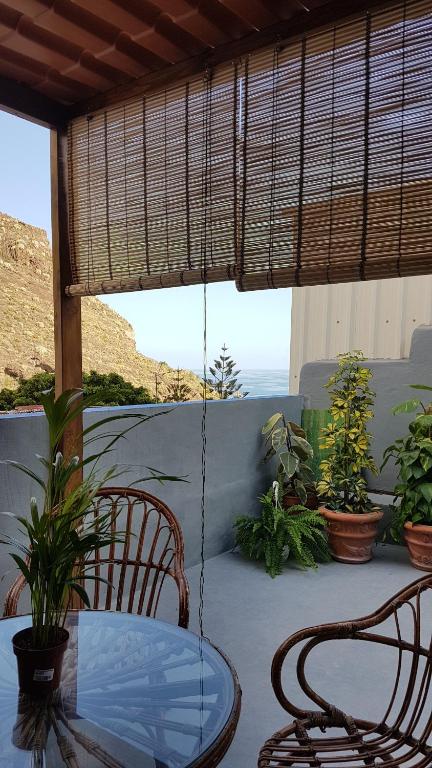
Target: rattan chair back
point(148, 555)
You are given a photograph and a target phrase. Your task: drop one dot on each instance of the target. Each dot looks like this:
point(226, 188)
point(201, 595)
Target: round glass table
point(135, 693)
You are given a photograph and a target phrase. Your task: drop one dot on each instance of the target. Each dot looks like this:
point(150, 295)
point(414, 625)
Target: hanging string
point(234, 166)
point(89, 207)
point(301, 159)
point(275, 74)
point(366, 148)
point(144, 160)
point(204, 245)
point(187, 192)
point(167, 240)
point(332, 154)
point(402, 168)
point(70, 170)
point(107, 211)
point(245, 125)
point(126, 190)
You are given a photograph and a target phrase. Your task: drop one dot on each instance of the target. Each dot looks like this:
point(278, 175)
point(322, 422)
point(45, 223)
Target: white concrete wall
point(378, 317)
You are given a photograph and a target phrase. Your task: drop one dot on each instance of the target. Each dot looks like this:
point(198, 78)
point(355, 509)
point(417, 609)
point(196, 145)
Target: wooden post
point(67, 310)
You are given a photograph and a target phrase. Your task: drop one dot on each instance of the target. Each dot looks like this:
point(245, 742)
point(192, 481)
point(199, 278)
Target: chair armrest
point(356, 630)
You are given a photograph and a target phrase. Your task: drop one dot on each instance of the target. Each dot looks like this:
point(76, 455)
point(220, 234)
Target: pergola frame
point(23, 101)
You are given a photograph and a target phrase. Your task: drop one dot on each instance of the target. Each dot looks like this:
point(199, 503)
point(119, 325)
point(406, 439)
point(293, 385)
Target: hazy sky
point(168, 323)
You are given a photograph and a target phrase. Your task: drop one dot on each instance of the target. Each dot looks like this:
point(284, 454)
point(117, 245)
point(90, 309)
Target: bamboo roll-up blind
point(306, 163)
point(337, 155)
point(152, 189)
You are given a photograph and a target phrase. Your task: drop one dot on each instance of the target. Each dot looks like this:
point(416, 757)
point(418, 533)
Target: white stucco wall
point(377, 317)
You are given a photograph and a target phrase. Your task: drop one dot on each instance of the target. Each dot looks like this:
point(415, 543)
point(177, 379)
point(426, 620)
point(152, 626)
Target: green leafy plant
point(343, 485)
point(105, 388)
point(279, 533)
point(413, 458)
point(287, 441)
point(224, 381)
point(64, 531)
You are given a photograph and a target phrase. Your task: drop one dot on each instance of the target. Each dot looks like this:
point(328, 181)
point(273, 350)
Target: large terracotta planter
point(419, 543)
point(351, 537)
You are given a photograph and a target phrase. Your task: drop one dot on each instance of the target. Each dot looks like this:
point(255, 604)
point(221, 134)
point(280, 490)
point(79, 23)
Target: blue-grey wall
point(391, 380)
point(172, 443)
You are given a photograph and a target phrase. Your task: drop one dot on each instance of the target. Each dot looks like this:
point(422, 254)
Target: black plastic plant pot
point(39, 670)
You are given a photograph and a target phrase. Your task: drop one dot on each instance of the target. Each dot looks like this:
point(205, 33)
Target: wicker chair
point(403, 736)
point(137, 567)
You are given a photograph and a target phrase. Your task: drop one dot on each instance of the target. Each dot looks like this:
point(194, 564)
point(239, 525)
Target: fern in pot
point(352, 518)
point(60, 533)
point(279, 533)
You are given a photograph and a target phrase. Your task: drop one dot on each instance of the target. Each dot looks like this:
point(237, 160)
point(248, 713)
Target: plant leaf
point(80, 591)
point(289, 462)
point(271, 423)
point(407, 407)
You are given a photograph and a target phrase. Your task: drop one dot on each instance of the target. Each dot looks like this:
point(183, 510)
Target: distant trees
point(112, 389)
point(177, 391)
point(224, 381)
point(109, 389)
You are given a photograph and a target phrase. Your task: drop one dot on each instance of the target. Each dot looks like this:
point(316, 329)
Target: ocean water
point(259, 383)
point(262, 382)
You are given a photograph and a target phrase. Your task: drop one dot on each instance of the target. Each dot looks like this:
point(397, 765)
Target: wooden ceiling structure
point(63, 58)
point(60, 59)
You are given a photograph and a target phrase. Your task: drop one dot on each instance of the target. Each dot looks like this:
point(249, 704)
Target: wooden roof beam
point(23, 101)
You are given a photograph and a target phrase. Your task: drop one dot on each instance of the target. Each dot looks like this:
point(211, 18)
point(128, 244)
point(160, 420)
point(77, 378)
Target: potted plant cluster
point(286, 441)
point(412, 518)
point(60, 532)
point(280, 533)
point(352, 518)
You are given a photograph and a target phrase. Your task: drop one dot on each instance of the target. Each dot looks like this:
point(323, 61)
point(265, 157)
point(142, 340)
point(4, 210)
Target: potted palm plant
point(412, 517)
point(60, 532)
point(286, 441)
point(351, 516)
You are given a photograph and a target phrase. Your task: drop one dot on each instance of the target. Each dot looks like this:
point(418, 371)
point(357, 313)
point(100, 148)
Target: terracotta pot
point(292, 501)
point(351, 537)
point(39, 671)
point(419, 542)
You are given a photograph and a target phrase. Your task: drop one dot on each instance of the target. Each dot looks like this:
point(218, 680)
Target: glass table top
point(135, 693)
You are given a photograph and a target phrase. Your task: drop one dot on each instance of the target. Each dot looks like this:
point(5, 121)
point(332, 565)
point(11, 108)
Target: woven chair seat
point(297, 746)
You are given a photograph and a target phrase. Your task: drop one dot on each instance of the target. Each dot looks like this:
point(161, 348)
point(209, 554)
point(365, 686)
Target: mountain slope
point(26, 319)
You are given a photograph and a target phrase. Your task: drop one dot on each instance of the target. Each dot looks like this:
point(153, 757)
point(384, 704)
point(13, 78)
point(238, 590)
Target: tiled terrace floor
point(248, 615)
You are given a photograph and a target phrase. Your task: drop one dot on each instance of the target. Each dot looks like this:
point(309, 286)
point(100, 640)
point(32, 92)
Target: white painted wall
point(378, 317)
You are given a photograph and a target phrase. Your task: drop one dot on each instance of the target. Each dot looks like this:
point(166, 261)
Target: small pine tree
point(224, 381)
point(177, 390)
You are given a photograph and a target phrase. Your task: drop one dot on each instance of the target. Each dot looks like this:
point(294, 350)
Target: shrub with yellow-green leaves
point(343, 485)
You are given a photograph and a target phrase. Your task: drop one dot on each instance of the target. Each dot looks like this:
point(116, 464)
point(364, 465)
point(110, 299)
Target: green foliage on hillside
point(110, 388)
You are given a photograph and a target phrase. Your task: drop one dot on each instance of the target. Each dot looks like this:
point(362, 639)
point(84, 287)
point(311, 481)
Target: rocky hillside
point(26, 319)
